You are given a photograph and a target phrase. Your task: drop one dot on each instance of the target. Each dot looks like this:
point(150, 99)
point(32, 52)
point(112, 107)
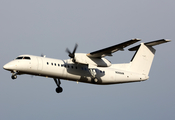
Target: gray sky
point(50, 26)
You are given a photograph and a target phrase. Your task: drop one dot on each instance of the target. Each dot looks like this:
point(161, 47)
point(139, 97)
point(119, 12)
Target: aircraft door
point(40, 63)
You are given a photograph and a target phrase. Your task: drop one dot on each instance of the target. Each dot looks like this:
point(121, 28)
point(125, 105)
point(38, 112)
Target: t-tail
point(143, 58)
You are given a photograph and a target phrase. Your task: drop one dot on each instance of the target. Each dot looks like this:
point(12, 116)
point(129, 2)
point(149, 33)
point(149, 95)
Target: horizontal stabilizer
point(153, 43)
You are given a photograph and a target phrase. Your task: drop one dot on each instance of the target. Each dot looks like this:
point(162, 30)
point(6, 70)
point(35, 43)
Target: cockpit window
point(23, 57)
point(19, 57)
point(26, 58)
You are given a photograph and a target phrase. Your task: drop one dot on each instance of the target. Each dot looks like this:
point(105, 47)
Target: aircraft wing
point(108, 51)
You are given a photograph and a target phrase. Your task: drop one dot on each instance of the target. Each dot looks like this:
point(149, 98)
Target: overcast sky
point(50, 26)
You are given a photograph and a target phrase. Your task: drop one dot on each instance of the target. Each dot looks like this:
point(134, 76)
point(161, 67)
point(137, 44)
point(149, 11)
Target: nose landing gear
point(58, 82)
point(14, 75)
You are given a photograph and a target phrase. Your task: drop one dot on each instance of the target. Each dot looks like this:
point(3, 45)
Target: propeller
point(72, 54)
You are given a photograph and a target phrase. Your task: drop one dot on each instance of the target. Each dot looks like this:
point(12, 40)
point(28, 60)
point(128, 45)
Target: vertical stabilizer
point(143, 58)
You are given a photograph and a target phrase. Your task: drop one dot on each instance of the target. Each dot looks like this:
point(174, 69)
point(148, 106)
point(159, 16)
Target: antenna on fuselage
point(42, 55)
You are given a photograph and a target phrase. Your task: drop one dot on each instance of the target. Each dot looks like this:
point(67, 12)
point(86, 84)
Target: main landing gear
point(58, 82)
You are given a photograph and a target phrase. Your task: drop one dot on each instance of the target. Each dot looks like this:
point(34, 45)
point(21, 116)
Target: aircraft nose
point(6, 66)
point(9, 66)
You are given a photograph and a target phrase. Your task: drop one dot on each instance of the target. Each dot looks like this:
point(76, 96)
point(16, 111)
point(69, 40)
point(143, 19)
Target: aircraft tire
point(59, 89)
point(13, 77)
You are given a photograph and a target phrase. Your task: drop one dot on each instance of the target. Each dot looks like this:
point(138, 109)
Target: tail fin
point(143, 58)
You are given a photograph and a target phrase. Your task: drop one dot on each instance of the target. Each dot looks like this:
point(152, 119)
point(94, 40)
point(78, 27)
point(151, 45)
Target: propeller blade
point(68, 51)
point(75, 48)
point(72, 55)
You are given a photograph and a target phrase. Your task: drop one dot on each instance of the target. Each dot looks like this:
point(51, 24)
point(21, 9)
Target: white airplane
point(89, 68)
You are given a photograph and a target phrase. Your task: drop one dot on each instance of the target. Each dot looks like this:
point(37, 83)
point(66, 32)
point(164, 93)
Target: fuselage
point(68, 70)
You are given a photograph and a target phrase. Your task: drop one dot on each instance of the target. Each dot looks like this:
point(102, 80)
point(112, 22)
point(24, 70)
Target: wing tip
point(136, 39)
point(167, 40)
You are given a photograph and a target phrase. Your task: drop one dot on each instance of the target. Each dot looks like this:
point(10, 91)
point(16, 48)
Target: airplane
point(91, 68)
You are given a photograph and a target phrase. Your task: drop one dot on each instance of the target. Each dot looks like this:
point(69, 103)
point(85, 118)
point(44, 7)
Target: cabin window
point(55, 64)
point(51, 63)
point(47, 63)
point(58, 64)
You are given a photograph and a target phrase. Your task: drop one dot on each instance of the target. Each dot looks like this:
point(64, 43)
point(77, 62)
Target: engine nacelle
point(84, 59)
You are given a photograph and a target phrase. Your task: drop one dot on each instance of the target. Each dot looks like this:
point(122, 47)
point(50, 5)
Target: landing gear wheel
point(59, 89)
point(58, 82)
point(13, 77)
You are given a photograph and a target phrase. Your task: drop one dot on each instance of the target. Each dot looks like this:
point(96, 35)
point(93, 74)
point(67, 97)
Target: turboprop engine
point(84, 59)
